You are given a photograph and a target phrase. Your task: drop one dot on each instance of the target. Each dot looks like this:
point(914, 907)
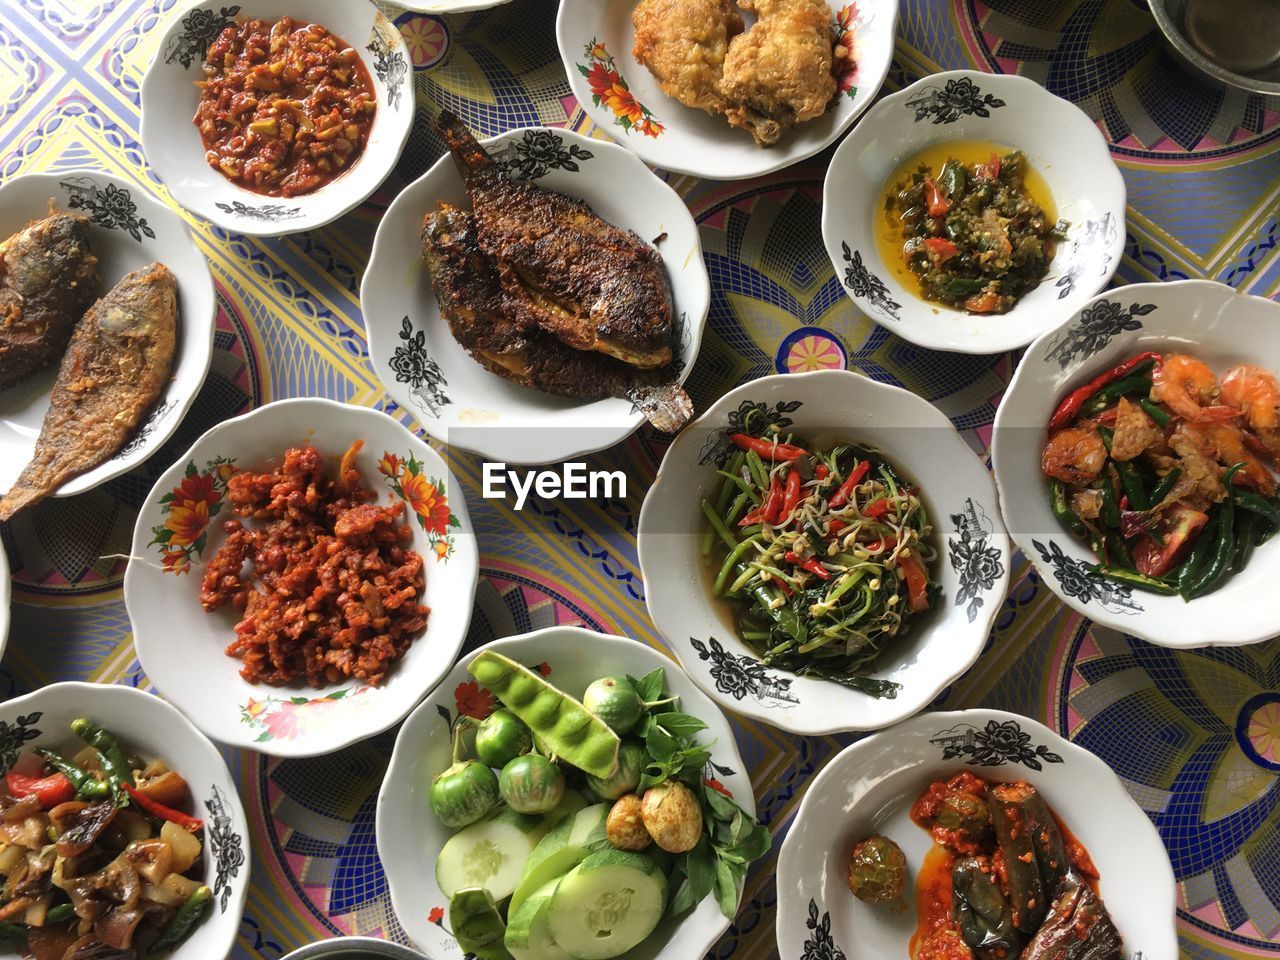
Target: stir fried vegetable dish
point(1166, 471)
point(1005, 880)
point(973, 235)
point(99, 854)
point(603, 819)
point(825, 554)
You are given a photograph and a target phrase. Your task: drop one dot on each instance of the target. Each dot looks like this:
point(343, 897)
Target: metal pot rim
point(352, 948)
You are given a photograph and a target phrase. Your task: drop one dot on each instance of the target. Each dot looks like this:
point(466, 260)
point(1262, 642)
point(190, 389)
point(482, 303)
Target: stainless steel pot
point(354, 948)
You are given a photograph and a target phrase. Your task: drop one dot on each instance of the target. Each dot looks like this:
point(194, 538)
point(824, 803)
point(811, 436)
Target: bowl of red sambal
point(975, 833)
point(1135, 453)
point(272, 118)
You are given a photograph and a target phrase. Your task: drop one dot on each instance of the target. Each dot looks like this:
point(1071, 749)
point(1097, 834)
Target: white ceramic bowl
point(410, 837)
point(1059, 140)
point(448, 6)
point(181, 647)
point(170, 97)
point(595, 39)
point(973, 562)
point(130, 230)
point(6, 599)
point(1210, 321)
point(155, 730)
point(869, 788)
point(456, 400)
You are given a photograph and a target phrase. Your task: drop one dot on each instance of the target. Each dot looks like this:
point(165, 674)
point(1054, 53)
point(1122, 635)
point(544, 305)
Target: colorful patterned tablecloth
point(1195, 735)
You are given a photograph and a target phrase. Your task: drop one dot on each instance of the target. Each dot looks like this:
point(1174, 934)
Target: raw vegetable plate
point(567, 868)
point(1060, 142)
point(129, 229)
point(1204, 320)
point(180, 528)
point(869, 787)
point(430, 375)
point(173, 142)
point(596, 38)
point(816, 620)
point(144, 726)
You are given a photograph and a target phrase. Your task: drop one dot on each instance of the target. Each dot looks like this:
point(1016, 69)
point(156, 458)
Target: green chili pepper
point(1256, 503)
point(1131, 578)
point(60, 914)
point(1134, 488)
point(1191, 567)
point(88, 787)
point(1061, 508)
point(1154, 412)
point(952, 179)
point(184, 921)
point(13, 932)
point(1110, 514)
point(1165, 486)
point(114, 764)
point(1104, 398)
point(1219, 561)
point(1106, 433)
point(1246, 539)
point(1118, 550)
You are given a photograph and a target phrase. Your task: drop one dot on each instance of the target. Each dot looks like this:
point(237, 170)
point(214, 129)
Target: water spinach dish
point(824, 554)
point(100, 855)
point(603, 818)
point(1166, 471)
point(974, 235)
point(1005, 880)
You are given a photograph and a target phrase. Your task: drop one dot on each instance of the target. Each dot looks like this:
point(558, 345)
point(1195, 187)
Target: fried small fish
point(486, 321)
point(117, 365)
point(48, 275)
point(584, 281)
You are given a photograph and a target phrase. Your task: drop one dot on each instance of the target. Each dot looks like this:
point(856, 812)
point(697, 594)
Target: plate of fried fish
point(725, 89)
point(108, 311)
point(523, 307)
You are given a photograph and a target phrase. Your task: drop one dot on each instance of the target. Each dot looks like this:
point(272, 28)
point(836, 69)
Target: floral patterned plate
point(410, 837)
point(595, 39)
point(173, 145)
point(1206, 319)
point(456, 400)
point(129, 229)
point(831, 405)
point(181, 648)
point(155, 730)
point(1061, 143)
point(869, 788)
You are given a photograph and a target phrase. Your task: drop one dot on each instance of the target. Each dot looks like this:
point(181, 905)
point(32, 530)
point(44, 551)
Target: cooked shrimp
point(1257, 394)
point(1075, 455)
point(1225, 443)
point(1189, 388)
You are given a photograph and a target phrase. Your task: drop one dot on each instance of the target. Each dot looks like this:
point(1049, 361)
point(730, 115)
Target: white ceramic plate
point(449, 6)
point(170, 98)
point(1059, 140)
point(410, 837)
point(152, 728)
point(869, 788)
point(181, 647)
point(129, 231)
point(973, 563)
point(1210, 321)
point(595, 39)
point(457, 401)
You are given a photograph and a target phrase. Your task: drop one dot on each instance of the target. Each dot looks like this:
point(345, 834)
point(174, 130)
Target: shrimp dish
point(1167, 470)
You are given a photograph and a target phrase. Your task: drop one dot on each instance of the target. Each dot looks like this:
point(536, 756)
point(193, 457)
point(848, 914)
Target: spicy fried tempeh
point(117, 365)
point(580, 279)
point(47, 280)
point(489, 324)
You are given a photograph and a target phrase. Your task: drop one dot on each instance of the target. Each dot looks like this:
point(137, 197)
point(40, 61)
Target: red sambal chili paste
point(286, 106)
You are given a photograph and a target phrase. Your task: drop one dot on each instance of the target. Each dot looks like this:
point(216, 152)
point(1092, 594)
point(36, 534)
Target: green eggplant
point(1078, 928)
point(966, 817)
point(1027, 895)
point(475, 919)
point(980, 911)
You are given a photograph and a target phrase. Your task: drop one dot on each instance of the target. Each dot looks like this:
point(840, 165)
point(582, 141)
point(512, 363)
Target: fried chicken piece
point(683, 44)
point(780, 72)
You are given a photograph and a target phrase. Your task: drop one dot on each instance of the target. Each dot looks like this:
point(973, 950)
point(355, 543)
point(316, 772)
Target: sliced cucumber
point(572, 802)
point(489, 854)
point(607, 904)
point(559, 852)
point(529, 932)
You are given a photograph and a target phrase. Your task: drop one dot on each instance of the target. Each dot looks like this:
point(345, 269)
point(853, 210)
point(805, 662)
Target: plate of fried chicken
point(107, 333)
point(523, 307)
point(725, 89)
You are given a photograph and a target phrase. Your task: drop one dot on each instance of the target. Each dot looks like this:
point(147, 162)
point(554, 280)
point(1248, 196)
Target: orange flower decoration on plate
point(426, 498)
point(609, 89)
point(843, 32)
point(187, 510)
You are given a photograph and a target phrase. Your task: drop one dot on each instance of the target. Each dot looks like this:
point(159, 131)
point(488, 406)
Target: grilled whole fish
point(117, 365)
point(585, 281)
point(47, 278)
point(487, 321)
